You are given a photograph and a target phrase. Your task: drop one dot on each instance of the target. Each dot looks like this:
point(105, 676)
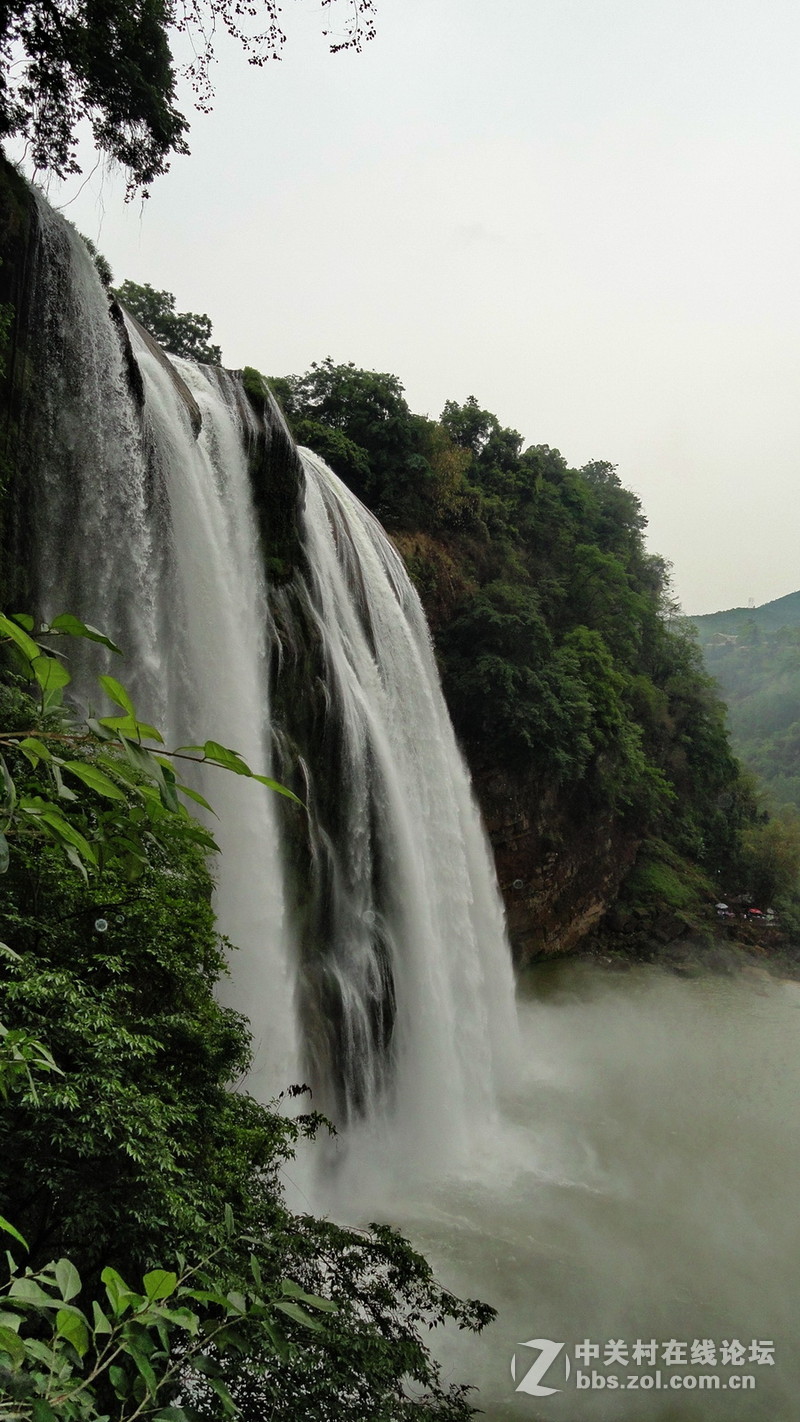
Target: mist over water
point(642, 1182)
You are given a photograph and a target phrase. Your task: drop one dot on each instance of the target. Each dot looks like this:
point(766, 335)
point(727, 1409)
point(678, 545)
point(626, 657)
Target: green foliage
point(182, 333)
point(131, 1156)
point(755, 658)
point(771, 851)
point(109, 65)
point(510, 694)
point(361, 422)
point(138, 1351)
point(662, 878)
point(562, 657)
point(127, 1141)
point(135, 788)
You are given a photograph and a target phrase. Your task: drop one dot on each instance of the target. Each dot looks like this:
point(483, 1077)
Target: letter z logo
point(532, 1381)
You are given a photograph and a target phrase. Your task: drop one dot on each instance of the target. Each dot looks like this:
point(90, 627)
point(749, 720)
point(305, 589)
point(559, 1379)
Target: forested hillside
point(579, 695)
point(754, 655)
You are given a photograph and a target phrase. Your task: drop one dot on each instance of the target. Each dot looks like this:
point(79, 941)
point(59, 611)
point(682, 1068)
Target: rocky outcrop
point(277, 479)
point(135, 375)
point(559, 867)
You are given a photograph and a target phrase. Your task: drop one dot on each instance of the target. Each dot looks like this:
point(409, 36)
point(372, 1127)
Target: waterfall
point(405, 977)
point(370, 954)
point(142, 522)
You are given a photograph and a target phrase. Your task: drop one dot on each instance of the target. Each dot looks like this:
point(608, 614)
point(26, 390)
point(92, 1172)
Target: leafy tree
point(109, 63)
point(772, 855)
point(495, 450)
point(182, 333)
point(511, 695)
point(373, 440)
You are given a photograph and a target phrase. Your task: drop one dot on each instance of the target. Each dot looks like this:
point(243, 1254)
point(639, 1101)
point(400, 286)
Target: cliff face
point(18, 232)
point(559, 869)
point(560, 862)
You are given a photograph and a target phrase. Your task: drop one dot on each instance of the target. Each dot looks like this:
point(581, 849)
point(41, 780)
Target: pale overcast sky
point(584, 212)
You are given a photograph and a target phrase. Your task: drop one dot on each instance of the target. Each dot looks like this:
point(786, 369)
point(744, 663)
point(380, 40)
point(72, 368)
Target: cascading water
point(405, 977)
point(142, 519)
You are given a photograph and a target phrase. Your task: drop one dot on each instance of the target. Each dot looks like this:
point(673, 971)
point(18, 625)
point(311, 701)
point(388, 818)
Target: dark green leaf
point(41, 1411)
point(103, 733)
point(119, 1380)
point(119, 1295)
point(224, 1396)
point(196, 796)
point(117, 693)
point(72, 1327)
point(9, 1229)
point(101, 1323)
point(279, 789)
point(61, 829)
point(9, 789)
point(68, 1279)
point(34, 749)
point(28, 1291)
point(25, 643)
point(230, 759)
point(297, 1313)
point(295, 1292)
point(160, 1283)
point(143, 1364)
point(95, 779)
point(129, 726)
point(73, 627)
point(50, 673)
point(75, 860)
point(12, 1345)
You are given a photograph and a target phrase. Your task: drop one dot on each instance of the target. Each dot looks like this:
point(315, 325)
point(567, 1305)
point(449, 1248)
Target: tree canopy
point(110, 63)
point(182, 333)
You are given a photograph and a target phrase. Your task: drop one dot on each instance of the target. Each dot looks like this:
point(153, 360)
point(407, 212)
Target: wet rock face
point(134, 374)
point(559, 868)
point(18, 232)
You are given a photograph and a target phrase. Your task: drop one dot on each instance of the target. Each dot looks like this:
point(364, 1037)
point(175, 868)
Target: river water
point(640, 1184)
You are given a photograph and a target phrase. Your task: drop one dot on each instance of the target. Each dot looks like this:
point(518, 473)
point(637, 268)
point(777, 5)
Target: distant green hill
point(754, 654)
point(770, 617)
